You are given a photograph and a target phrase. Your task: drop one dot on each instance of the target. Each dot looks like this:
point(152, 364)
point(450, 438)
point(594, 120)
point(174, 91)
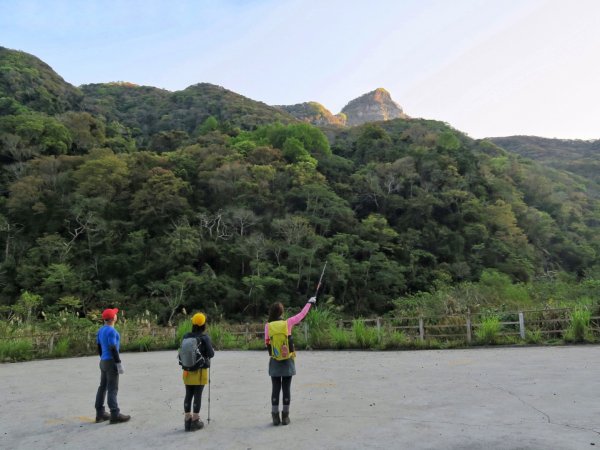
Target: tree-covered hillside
point(156, 116)
point(151, 200)
point(577, 156)
point(33, 84)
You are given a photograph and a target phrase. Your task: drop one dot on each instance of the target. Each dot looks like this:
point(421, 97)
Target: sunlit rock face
point(374, 106)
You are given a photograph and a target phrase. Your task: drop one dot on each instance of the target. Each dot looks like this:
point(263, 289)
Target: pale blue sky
point(487, 67)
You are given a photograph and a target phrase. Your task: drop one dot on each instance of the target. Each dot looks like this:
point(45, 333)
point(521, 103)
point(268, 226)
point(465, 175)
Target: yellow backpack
point(278, 338)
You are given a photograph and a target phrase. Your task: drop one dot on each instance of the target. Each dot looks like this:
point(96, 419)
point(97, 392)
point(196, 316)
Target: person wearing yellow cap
point(194, 357)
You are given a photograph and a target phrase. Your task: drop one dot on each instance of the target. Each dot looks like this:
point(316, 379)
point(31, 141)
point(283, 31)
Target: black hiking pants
point(281, 384)
point(195, 392)
point(109, 387)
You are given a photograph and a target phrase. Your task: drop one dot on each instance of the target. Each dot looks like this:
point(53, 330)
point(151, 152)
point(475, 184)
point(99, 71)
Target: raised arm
point(294, 320)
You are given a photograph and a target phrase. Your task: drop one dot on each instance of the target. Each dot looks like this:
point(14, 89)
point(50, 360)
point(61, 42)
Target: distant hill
point(374, 106)
point(577, 156)
point(32, 83)
point(150, 110)
point(314, 113)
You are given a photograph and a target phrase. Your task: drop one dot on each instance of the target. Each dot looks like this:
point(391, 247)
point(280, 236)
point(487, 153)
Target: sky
point(486, 67)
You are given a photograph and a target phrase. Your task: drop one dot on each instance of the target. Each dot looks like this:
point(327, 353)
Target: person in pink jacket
point(279, 343)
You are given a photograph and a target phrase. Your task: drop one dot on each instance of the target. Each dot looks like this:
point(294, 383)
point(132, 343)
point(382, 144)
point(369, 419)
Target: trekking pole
point(320, 279)
point(208, 418)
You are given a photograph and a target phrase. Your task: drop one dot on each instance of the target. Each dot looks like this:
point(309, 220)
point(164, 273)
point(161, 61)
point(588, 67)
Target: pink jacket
point(291, 321)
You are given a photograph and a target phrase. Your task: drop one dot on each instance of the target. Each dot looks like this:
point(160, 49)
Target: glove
point(312, 300)
point(120, 368)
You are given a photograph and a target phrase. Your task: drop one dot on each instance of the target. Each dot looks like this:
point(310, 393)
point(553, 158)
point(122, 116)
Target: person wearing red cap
point(108, 340)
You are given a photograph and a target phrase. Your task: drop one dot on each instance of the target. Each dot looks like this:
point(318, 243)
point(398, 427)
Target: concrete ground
point(494, 398)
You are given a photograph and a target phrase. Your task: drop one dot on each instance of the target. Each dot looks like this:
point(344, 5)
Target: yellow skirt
point(195, 377)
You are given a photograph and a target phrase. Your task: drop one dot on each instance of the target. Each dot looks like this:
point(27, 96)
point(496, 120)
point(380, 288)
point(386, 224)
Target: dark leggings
point(196, 392)
point(281, 384)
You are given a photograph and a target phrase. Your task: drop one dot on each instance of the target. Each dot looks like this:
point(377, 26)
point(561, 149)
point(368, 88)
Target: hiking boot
point(187, 424)
point(196, 425)
point(276, 420)
point(285, 418)
point(102, 417)
point(120, 418)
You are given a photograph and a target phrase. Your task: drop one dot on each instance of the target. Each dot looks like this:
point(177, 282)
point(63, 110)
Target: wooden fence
point(548, 322)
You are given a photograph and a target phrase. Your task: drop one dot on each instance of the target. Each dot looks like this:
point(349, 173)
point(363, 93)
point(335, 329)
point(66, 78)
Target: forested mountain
point(149, 200)
point(577, 156)
point(32, 83)
point(161, 115)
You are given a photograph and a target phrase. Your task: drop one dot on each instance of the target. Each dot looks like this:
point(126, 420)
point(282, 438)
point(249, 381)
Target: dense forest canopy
point(136, 197)
point(578, 156)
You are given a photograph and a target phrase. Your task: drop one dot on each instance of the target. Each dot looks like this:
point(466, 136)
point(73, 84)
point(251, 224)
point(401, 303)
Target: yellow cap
point(198, 319)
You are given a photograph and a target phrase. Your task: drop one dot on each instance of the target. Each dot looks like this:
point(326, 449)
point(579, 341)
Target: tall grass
point(364, 336)
point(221, 338)
point(340, 338)
point(393, 339)
point(142, 344)
point(533, 336)
point(489, 330)
point(320, 322)
point(16, 350)
point(183, 328)
point(579, 328)
point(61, 349)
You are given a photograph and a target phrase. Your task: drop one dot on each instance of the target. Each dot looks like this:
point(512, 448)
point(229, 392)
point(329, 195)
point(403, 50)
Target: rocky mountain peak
point(373, 106)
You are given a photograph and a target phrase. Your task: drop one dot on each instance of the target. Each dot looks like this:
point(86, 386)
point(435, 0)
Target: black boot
point(120, 418)
point(285, 417)
point(187, 424)
point(102, 416)
point(196, 425)
point(276, 420)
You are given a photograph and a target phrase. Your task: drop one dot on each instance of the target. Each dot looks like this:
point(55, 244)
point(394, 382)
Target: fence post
point(379, 329)
point(522, 324)
point(421, 329)
point(469, 337)
point(51, 344)
point(246, 332)
point(305, 333)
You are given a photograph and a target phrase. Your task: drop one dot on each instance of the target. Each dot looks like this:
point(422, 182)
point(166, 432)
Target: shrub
point(488, 330)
